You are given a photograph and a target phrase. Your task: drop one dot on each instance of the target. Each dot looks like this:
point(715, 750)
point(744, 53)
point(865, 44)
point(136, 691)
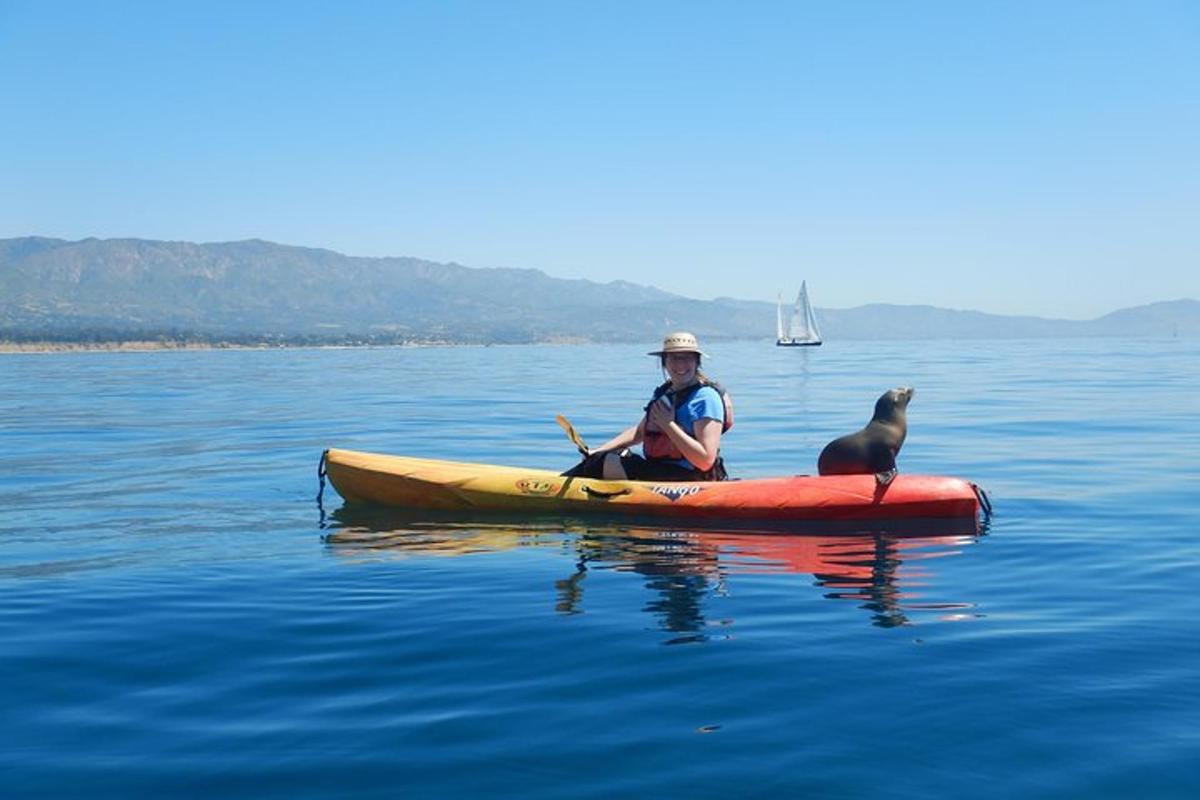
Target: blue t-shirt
point(704, 404)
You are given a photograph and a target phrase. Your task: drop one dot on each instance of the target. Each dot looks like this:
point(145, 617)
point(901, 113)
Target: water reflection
point(884, 570)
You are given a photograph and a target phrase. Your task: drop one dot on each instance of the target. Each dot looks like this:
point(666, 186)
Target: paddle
point(571, 434)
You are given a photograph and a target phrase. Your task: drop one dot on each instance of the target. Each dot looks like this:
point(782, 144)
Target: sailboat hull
point(793, 343)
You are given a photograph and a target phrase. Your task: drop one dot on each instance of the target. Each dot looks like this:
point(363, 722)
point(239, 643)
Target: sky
point(1011, 157)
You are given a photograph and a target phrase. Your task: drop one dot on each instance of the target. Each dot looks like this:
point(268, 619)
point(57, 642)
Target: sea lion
point(874, 448)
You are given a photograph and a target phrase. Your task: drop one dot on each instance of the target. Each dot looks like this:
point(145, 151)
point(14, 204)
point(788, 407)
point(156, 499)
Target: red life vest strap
point(678, 399)
point(656, 444)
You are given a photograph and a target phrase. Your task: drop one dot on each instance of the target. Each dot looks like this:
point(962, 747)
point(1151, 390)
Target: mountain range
point(257, 291)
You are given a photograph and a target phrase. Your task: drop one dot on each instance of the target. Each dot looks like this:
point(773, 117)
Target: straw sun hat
point(679, 342)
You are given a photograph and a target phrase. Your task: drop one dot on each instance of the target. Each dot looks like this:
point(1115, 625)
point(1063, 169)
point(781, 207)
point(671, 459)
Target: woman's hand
point(661, 415)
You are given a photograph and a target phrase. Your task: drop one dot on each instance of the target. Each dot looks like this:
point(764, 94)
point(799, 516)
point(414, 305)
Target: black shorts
point(641, 469)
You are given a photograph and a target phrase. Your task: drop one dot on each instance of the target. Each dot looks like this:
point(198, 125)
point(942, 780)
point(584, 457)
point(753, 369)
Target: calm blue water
point(176, 622)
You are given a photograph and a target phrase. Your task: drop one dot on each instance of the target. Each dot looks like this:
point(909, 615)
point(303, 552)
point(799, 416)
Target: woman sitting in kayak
point(680, 432)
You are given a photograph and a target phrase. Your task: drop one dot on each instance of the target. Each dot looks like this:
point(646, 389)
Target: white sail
point(779, 318)
point(802, 326)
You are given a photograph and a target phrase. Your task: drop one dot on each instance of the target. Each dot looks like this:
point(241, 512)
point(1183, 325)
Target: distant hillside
point(131, 288)
point(1166, 319)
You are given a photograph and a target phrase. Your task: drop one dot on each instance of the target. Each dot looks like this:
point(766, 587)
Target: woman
point(681, 430)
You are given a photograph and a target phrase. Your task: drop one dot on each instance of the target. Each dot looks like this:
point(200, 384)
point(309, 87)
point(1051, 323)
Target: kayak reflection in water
point(680, 431)
point(887, 571)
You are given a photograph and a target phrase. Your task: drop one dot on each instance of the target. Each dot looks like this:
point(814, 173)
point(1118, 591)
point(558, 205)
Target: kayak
point(432, 485)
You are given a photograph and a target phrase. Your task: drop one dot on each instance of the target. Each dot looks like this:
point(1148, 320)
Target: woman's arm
point(700, 447)
point(626, 438)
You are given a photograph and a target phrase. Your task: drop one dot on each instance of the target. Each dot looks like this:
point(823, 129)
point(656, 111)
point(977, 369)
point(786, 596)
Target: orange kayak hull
point(433, 485)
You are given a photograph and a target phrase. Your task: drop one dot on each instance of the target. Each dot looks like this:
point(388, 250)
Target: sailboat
point(801, 330)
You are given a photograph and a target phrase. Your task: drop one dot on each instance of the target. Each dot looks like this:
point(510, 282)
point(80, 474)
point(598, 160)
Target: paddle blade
point(571, 434)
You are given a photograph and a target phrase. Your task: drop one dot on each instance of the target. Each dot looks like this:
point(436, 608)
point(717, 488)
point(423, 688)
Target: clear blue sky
point(1039, 157)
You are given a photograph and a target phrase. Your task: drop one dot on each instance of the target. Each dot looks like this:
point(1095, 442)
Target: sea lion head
point(893, 403)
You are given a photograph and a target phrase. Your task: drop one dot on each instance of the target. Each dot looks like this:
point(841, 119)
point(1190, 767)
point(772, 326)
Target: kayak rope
point(321, 473)
point(984, 502)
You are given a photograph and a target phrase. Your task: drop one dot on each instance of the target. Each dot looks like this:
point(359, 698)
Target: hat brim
point(684, 350)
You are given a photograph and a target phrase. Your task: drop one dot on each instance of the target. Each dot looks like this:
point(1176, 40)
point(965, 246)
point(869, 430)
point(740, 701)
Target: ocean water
point(180, 618)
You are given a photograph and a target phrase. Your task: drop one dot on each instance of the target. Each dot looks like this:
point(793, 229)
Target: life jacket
point(656, 444)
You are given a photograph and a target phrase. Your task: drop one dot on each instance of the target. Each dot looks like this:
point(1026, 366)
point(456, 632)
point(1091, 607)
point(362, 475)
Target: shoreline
point(13, 348)
point(150, 346)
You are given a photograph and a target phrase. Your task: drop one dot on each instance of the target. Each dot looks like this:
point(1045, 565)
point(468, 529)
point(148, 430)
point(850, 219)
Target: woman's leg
point(613, 469)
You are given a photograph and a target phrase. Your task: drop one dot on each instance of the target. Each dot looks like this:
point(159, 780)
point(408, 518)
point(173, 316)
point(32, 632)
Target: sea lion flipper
point(886, 477)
